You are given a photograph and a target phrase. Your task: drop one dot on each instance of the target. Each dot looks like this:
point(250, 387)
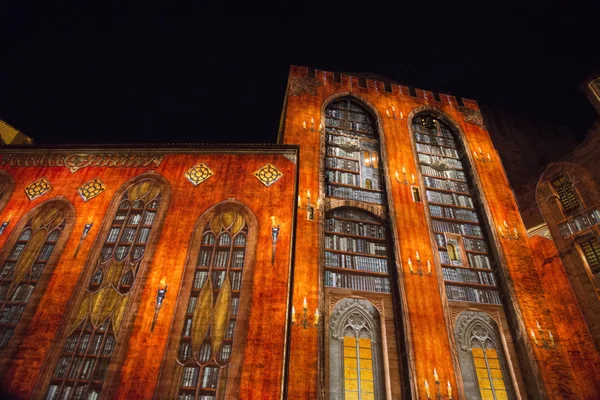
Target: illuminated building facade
point(375, 252)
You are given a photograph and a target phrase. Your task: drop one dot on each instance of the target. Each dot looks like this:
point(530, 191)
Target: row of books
point(354, 194)
point(479, 261)
point(436, 183)
point(357, 282)
point(221, 258)
point(190, 396)
point(190, 376)
point(445, 258)
point(348, 124)
point(450, 173)
point(447, 162)
point(359, 263)
point(355, 228)
point(351, 142)
point(348, 131)
point(449, 198)
point(21, 293)
point(467, 275)
point(332, 162)
point(338, 152)
point(475, 245)
point(218, 278)
point(457, 228)
point(472, 295)
point(345, 178)
point(355, 245)
point(54, 392)
point(436, 150)
point(454, 213)
point(11, 314)
point(438, 132)
point(342, 114)
point(353, 214)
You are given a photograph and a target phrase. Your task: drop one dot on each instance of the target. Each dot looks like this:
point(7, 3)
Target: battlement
point(381, 87)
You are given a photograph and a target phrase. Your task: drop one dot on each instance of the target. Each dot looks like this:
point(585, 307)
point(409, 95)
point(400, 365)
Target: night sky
point(77, 73)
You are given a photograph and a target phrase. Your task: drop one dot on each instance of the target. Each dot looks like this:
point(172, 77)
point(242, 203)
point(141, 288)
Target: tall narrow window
point(37, 237)
point(210, 331)
point(455, 221)
point(481, 357)
point(355, 352)
point(96, 327)
point(352, 158)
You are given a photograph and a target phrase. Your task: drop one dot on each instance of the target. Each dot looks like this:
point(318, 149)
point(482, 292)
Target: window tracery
point(483, 364)
point(209, 333)
point(356, 370)
point(28, 257)
point(95, 329)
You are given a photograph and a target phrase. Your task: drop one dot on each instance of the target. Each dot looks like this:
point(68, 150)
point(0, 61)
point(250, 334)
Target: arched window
point(352, 157)
point(481, 357)
point(96, 326)
point(33, 248)
point(355, 355)
point(208, 335)
point(454, 218)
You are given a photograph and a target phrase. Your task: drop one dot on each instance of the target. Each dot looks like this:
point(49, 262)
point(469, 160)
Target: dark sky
point(128, 73)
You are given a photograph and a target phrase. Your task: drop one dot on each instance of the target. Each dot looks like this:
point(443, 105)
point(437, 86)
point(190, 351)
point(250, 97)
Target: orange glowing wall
point(263, 362)
point(426, 313)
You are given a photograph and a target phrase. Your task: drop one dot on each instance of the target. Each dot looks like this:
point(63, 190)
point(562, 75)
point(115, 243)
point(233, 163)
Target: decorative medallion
point(37, 188)
point(268, 175)
point(299, 85)
point(198, 174)
point(91, 189)
point(472, 116)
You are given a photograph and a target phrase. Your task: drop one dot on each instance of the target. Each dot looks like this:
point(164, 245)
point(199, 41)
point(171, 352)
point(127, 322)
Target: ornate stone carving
point(300, 85)
point(355, 313)
point(37, 188)
point(91, 189)
point(268, 175)
point(198, 174)
point(75, 162)
point(475, 325)
point(472, 116)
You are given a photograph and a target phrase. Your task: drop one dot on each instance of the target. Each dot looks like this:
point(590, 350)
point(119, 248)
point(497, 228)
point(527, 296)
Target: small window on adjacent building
point(591, 252)
point(565, 191)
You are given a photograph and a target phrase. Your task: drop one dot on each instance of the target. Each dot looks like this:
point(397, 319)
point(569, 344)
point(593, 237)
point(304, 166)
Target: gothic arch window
point(207, 338)
point(452, 205)
point(30, 254)
point(482, 361)
point(355, 353)
point(97, 324)
point(352, 153)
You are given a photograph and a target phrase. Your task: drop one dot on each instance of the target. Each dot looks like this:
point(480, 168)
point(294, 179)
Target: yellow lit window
point(375, 159)
point(367, 157)
point(358, 369)
point(452, 252)
point(489, 374)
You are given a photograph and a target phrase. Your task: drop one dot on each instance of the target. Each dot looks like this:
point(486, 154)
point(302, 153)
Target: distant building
point(11, 136)
point(376, 252)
